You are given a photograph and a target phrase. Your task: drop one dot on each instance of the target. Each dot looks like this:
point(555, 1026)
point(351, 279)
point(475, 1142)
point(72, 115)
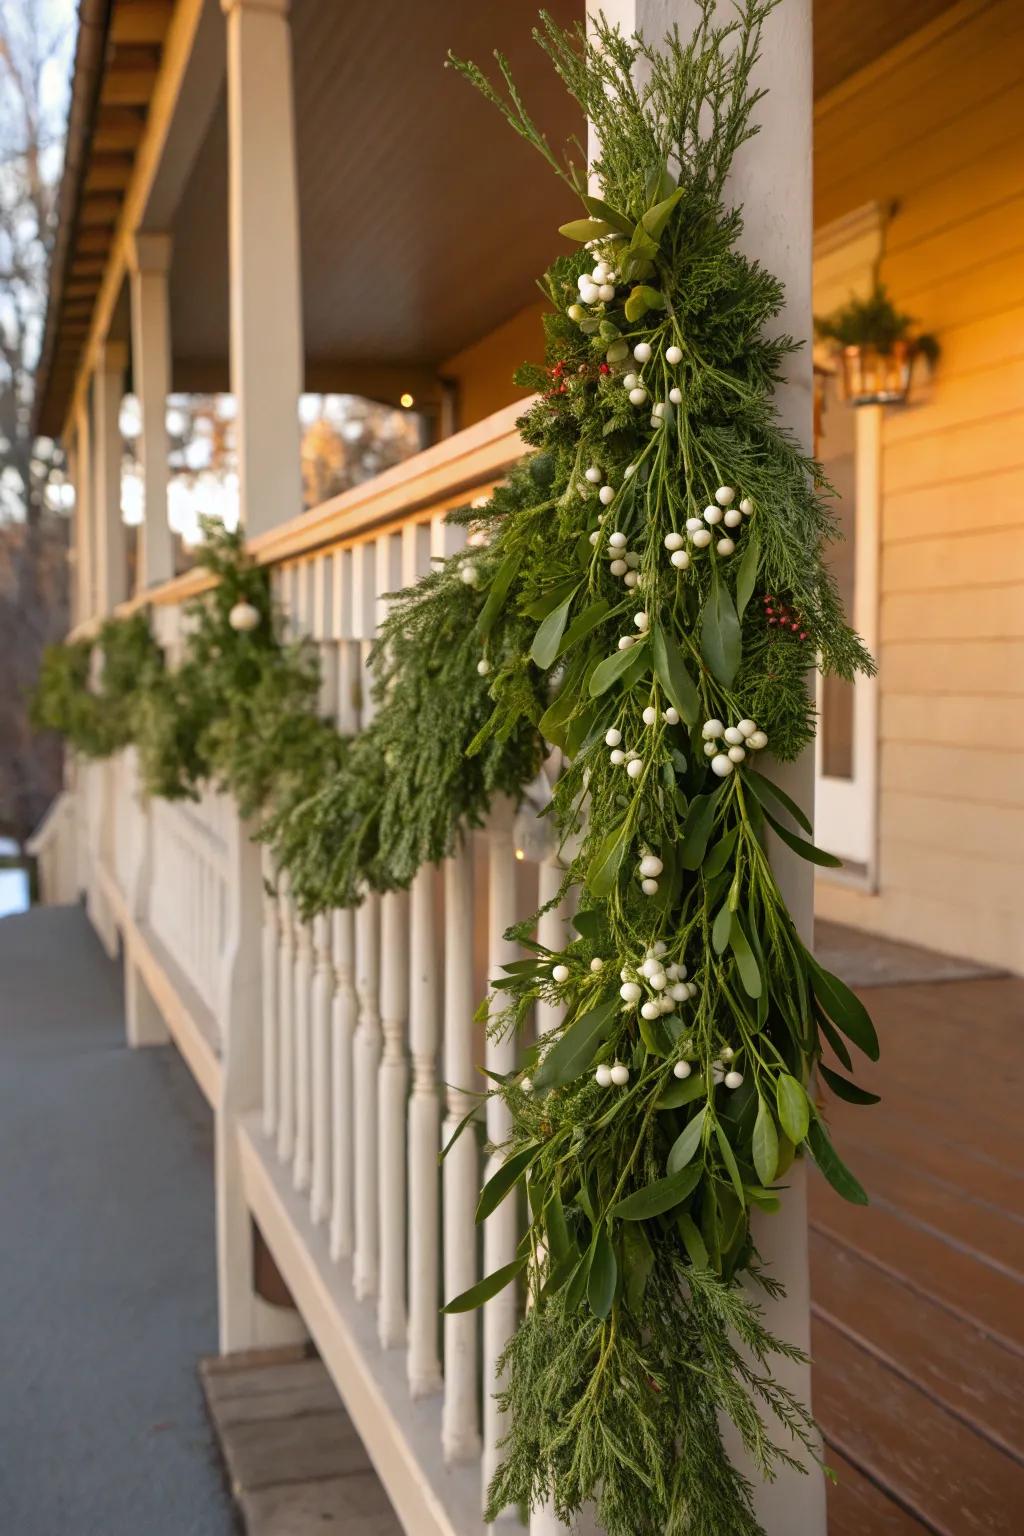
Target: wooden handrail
point(420, 487)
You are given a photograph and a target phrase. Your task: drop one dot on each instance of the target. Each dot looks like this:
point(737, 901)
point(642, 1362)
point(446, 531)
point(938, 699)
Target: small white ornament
point(620, 1074)
point(625, 641)
point(694, 524)
point(712, 728)
point(630, 992)
point(746, 728)
point(721, 765)
point(631, 578)
point(676, 396)
point(681, 1069)
point(649, 887)
point(673, 355)
point(606, 293)
point(734, 736)
point(597, 964)
point(526, 1085)
point(469, 574)
point(732, 518)
point(702, 538)
point(593, 474)
point(736, 754)
point(603, 1075)
point(650, 1011)
point(630, 381)
point(641, 620)
point(733, 1079)
point(672, 715)
point(724, 495)
point(583, 281)
point(612, 737)
point(637, 396)
point(244, 617)
point(713, 515)
point(674, 541)
point(560, 973)
point(642, 351)
point(757, 740)
point(606, 495)
point(746, 506)
point(617, 756)
point(725, 547)
point(618, 567)
point(483, 667)
point(635, 768)
point(680, 559)
point(650, 864)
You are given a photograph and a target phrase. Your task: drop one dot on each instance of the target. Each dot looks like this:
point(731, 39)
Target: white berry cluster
point(648, 870)
point(638, 392)
point(625, 562)
point(594, 476)
point(738, 739)
point(596, 287)
point(721, 1072)
point(700, 530)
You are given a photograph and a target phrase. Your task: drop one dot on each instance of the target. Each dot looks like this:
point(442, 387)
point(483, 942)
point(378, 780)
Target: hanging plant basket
point(873, 377)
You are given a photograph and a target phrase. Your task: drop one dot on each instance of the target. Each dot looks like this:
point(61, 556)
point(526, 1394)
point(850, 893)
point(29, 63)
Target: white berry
point(680, 559)
point(674, 541)
point(702, 538)
point(658, 949)
point(631, 578)
point(650, 1011)
point(659, 981)
point(632, 559)
point(606, 495)
point(726, 1053)
point(736, 754)
point(659, 409)
point(732, 518)
point(618, 567)
point(725, 548)
point(630, 469)
point(483, 667)
point(576, 312)
point(602, 272)
point(721, 765)
point(595, 536)
point(649, 887)
point(711, 729)
point(681, 1069)
point(650, 864)
point(620, 1074)
point(746, 506)
point(666, 1003)
point(617, 540)
point(672, 715)
point(560, 973)
point(733, 1079)
point(597, 964)
point(469, 574)
point(612, 737)
point(713, 515)
point(630, 381)
point(591, 293)
point(676, 396)
point(650, 715)
point(244, 617)
point(679, 991)
point(635, 768)
point(673, 355)
point(733, 735)
point(757, 740)
point(637, 396)
point(746, 728)
point(693, 524)
point(642, 352)
point(630, 992)
point(641, 620)
point(606, 293)
point(625, 641)
point(603, 1075)
point(593, 474)
point(724, 495)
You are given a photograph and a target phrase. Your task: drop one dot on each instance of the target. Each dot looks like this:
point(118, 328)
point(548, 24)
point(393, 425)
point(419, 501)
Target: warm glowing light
point(406, 401)
point(520, 853)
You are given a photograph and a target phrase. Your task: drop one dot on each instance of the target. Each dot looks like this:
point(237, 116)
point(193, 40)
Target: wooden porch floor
point(918, 1327)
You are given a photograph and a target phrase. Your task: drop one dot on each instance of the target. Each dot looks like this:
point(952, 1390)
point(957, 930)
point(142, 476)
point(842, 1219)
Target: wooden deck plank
point(953, 1361)
point(857, 1508)
point(927, 1461)
point(885, 1133)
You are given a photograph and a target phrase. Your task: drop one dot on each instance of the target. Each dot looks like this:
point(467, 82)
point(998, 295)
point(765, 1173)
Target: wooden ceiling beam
point(108, 172)
point(140, 21)
point(118, 128)
point(128, 86)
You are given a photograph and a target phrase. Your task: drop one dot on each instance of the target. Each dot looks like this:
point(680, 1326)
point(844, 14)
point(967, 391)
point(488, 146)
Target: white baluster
point(270, 939)
point(460, 1434)
point(285, 1033)
point(303, 1054)
point(501, 1229)
point(393, 1085)
point(343, 1023)
point(321, 998)
point(366, 1046)
point(424, 1365)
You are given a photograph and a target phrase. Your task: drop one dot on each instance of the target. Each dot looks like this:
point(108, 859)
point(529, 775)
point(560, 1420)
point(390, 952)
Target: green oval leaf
point(603, 870)
point(750, 976)
point(808, 851)
point(573, 1053)
point(498, 592)
point(845, 1009)
point(765, 1144)
point(585, 229)
point(746, 575)
point(486, 1288)
point(700, 818)
point(833, 1167)
point(507, 1176)
point(729, 1159)
point(844, 1089)
point(604, 1274)
point(610, 215)
point(696, 1252)
point(685, 1145)
point(720, 634)
point(760, 786)
point(670, 670)
point(682, 1091)
point(663, 1195)
point(794, 1108)
point(611, 669)
point(549, 636)
point(721, 929)
point(583, 623)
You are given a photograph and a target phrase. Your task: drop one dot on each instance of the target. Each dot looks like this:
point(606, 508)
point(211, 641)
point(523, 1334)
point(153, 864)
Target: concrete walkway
point(107, 1282)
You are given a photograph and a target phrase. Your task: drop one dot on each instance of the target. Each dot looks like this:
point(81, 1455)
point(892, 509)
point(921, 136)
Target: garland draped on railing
point(646, 594)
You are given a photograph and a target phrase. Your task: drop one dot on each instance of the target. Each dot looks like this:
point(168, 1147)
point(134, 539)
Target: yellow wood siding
point(937, 127)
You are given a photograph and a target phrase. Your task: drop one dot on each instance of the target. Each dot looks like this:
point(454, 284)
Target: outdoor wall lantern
point(875, 349)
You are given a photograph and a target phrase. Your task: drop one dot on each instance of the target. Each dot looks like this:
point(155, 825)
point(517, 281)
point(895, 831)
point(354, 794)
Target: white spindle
point(393, 1085)
point(366, 1047)
point(460, 1434)
point(501, 1229)
point(271, 937)
point(322, 994)
point(343, 1023)
point(286, 1034)
point(303, 973)
point(424, 1365)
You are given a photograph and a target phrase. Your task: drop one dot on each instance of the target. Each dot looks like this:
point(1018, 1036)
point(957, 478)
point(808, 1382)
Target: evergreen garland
point(97, 717)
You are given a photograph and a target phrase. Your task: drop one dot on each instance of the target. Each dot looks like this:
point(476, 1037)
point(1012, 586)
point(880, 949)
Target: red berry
point(604, 368)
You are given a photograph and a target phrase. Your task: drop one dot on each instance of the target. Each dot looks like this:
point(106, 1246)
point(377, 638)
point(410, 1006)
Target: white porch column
point(84, 502)
point(263, 260)
point(771, 179)
point(111, 579)
point(150, 258)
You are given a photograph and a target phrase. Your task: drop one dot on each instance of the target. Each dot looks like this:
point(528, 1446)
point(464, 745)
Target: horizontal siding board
point(981, 773)
point(992, 668)
point(957, 401)
point(982, 611)
point(947, 920)
point(995, 444)
point(951, 718)
point(981, 834)
point(985, 500)
point(963, 557)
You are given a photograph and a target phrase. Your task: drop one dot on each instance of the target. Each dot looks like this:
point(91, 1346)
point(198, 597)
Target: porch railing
point(359, 1056)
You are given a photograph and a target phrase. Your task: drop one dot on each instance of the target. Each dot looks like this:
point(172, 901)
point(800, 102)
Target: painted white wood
point(111, 546)
point(149, 263)
point(302, 1025)
point(366, 1051)
point(424, 1362)
point(322, 996)
point(343, 1022)
point(460, 1429)
point(502, 1228)
point(285, 1026)
point(392, 1088)
point(270, 941)
point(265, 293)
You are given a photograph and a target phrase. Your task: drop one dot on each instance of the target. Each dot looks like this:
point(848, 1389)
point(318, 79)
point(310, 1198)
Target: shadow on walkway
point(107, 1264)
